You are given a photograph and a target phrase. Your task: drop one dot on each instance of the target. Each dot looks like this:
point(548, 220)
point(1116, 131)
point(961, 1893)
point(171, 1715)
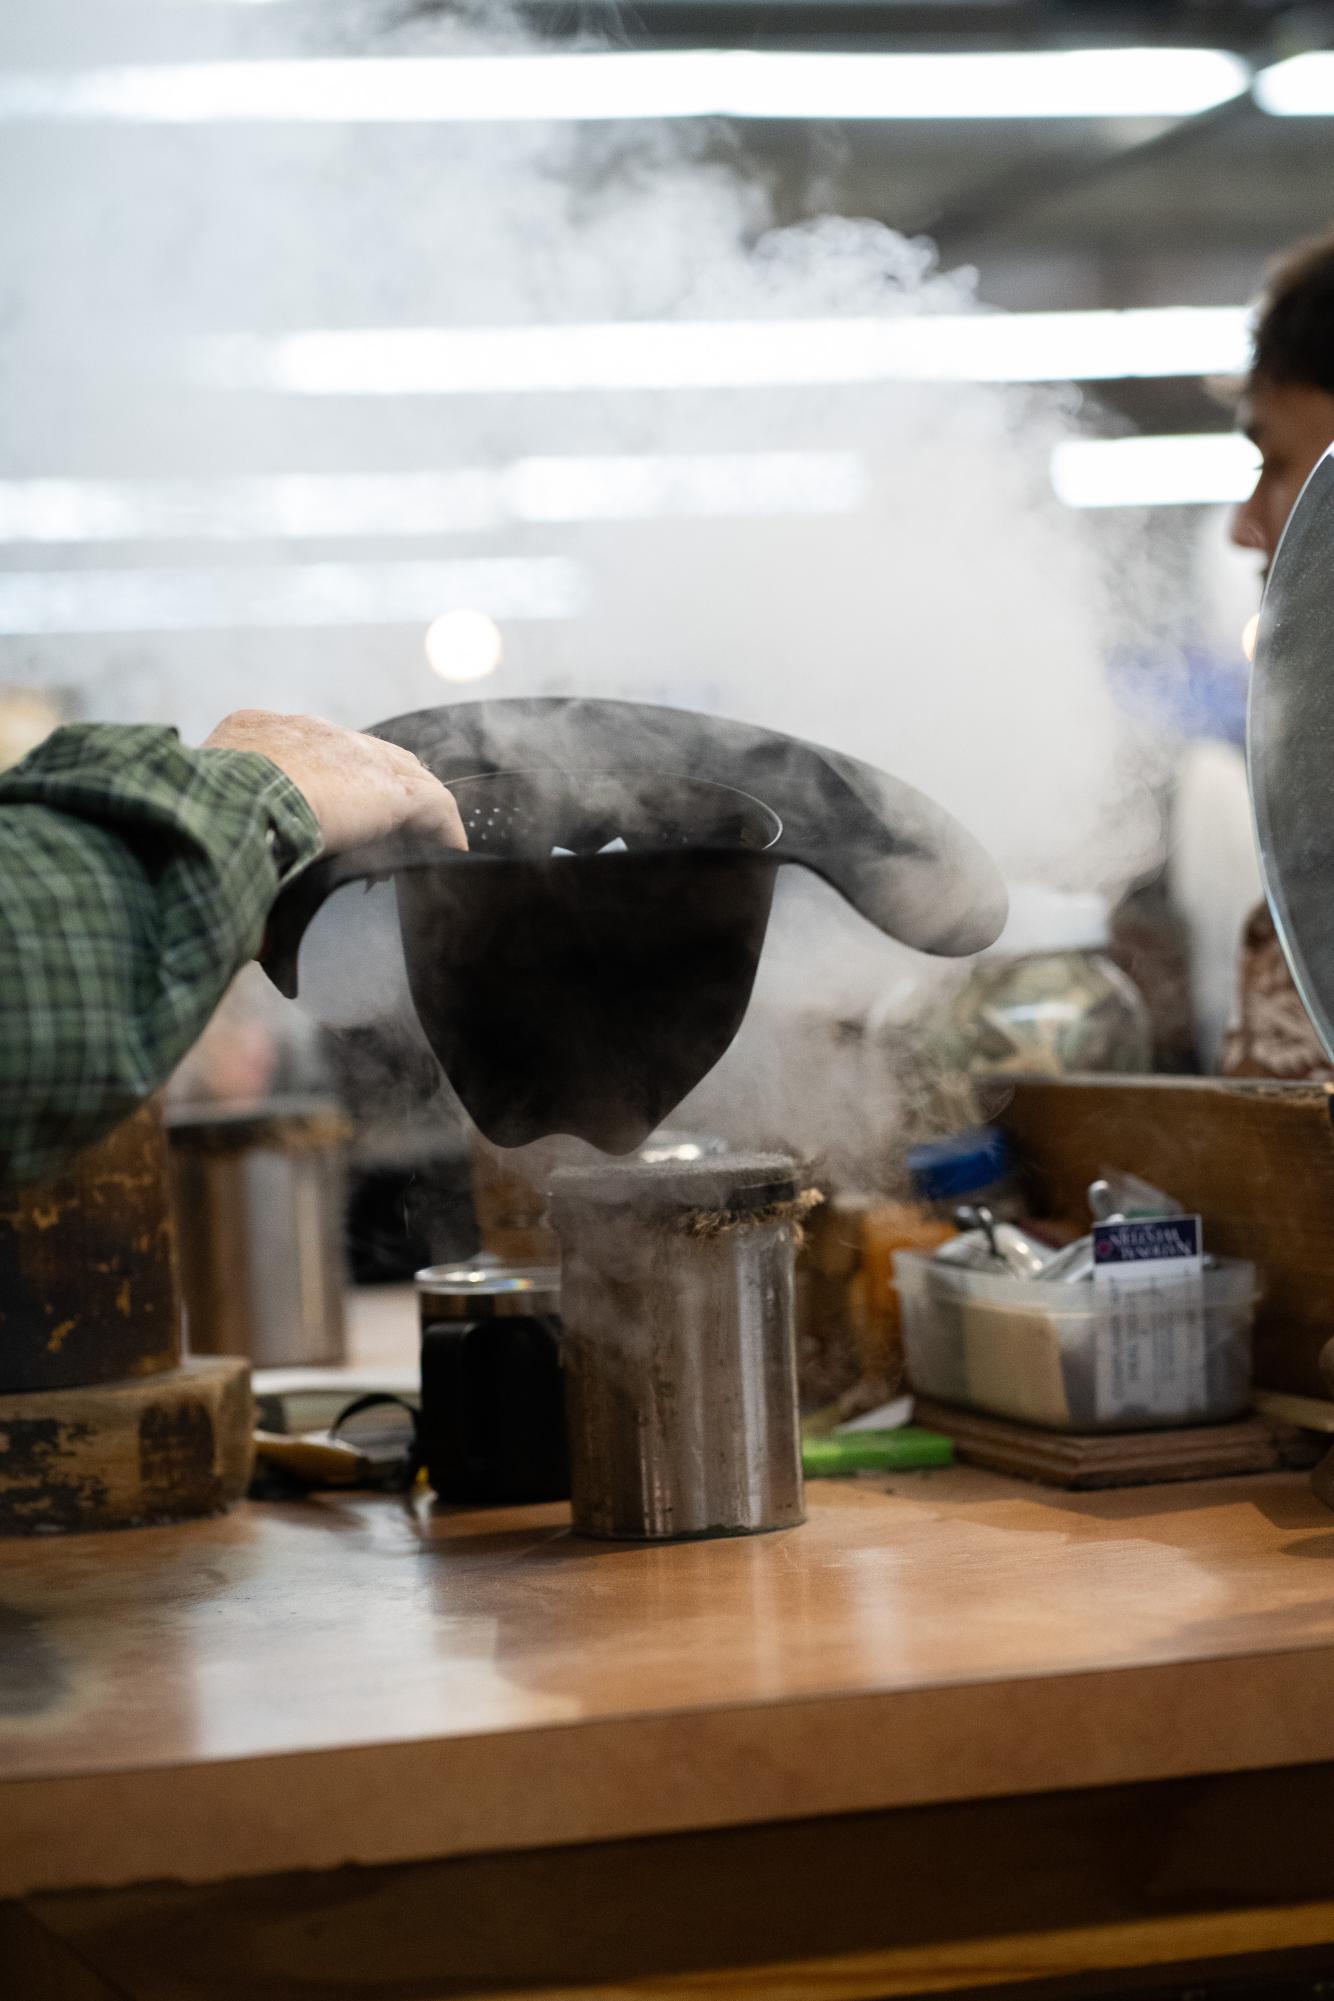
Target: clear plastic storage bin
point(1073, 1357)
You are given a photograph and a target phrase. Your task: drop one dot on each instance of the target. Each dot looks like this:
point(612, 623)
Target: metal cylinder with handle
point(678, 1347)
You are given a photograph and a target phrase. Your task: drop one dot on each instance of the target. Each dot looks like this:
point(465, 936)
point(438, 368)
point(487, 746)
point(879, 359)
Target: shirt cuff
point(293, 834)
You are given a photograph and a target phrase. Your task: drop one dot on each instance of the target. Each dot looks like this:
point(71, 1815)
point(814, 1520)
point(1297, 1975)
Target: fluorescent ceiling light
point(719, 484)
point(1301, 87)
point(1187, 471)
point(314, 506)
point(274, 596)
point(737, 354)
point(662, 83)
point(225, 510)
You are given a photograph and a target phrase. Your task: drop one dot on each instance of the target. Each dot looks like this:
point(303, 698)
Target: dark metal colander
point(526, 815)
point(566, 988)
point(588, 992)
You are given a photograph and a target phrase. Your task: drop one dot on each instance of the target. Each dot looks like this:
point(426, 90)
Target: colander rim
point(766, 812)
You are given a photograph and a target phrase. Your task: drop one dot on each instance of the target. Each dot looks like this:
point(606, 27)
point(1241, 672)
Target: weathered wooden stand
point(101, 1422)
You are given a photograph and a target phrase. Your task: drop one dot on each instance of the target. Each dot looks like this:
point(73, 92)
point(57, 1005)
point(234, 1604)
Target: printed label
point(1148, 1277)
point(1162, 1240)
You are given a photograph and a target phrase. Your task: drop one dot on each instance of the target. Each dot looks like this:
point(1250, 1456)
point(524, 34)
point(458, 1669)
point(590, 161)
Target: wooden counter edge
point(1179, 1949)
point(620, 1778)
point(1193, 1875)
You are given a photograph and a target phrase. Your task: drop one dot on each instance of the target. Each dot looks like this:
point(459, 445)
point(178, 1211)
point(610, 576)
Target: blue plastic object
point(950, 1170)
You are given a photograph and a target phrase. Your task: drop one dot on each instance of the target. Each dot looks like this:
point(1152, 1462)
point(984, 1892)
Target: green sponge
point(897, 1451)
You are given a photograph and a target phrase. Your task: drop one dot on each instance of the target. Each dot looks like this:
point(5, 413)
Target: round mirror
point(1290, 747)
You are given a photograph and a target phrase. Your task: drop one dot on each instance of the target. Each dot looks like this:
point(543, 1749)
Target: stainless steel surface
point(1290, 747)
point(1103, 1206)
point(679, 1350)
point(259, 1220)
point(1072, 1265)
point(988, 1244)
point(1022, 1255)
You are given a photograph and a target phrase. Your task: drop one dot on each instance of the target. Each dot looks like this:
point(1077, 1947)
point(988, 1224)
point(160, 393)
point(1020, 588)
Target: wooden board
point(1105, 1459)
point(1305, 1413)
point(159, 1448)
point(87, 1267)
point(1256, 1160)
point(991, 1894)
point(347, 1680)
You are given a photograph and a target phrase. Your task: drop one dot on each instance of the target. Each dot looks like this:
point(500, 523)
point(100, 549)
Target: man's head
point(1288, 403)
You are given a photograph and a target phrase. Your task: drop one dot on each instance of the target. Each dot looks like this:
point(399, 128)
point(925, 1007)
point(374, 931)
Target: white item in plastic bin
point(1012, 1356)
point(1037, 1352)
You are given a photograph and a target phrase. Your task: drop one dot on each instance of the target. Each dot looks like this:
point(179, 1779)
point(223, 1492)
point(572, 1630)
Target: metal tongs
point(989, 1245)
point(986, 1244)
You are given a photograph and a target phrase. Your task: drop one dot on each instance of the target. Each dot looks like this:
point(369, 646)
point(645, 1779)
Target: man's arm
point(135, 879)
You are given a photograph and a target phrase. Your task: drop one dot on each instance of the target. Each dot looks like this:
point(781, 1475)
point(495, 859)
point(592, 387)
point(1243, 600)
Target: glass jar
point(493, 1398)
point(1046, 1000)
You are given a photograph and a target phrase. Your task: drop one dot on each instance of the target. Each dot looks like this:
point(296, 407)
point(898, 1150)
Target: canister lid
point(484, 1288)
point(733, 1181)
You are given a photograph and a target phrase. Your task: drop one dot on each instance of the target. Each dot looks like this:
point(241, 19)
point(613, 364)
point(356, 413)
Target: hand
point(358, 788)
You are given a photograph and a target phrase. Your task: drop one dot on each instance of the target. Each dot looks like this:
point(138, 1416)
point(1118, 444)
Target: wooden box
point(1255, 1159)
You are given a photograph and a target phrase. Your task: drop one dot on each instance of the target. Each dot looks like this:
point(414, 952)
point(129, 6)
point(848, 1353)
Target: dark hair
point(1294, 335)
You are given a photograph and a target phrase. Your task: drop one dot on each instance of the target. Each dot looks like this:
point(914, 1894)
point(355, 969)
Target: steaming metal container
point(678, 1347)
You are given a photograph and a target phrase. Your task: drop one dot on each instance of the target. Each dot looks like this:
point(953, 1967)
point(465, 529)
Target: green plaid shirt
point(135, 879)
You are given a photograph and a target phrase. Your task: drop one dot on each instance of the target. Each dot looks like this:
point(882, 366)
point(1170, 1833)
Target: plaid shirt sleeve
point(135, 879)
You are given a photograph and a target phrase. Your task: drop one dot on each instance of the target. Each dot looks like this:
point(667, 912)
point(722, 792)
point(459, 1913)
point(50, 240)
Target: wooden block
point(1255, 1159)
point(151, 1449)
point(1307, 1413)
point(88, 1288)
point(1104, 1459)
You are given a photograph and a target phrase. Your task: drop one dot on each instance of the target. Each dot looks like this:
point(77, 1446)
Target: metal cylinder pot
point(678, 1347)
point(259, 1199)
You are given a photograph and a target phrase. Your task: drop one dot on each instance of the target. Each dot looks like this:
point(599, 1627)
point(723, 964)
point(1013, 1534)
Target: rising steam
point(937, 613)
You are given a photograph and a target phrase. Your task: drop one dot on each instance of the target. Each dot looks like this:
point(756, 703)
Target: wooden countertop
point(348, 1680)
